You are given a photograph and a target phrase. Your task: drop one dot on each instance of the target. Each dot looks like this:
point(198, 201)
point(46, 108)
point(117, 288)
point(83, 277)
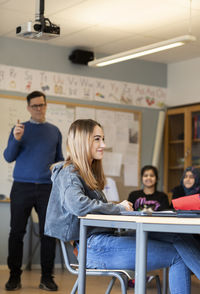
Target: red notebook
point(191, 202)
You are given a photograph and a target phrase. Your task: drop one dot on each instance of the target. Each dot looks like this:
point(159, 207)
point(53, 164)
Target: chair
point(34, 231)
point(122, 275)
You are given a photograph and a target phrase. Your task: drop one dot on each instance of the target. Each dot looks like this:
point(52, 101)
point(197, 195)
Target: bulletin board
point(122, 130)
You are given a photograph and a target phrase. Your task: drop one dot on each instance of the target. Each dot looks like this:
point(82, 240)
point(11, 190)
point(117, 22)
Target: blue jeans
point(186, 245)
point(118, 252)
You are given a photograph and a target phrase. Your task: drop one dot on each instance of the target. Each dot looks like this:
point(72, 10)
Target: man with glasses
point(34, 146)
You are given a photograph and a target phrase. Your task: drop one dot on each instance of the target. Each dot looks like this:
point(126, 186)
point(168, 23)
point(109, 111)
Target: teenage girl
point(149, 196)
point(77, 190)
point(189, 184)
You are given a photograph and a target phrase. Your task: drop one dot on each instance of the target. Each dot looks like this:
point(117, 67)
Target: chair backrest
point(67, 250)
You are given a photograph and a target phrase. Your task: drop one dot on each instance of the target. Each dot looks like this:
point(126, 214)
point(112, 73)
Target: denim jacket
point(71, 197)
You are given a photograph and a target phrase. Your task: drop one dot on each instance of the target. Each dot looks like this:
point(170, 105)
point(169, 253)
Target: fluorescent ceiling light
point(135, 53)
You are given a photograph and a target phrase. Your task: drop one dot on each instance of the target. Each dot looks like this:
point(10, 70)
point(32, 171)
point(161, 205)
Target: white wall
point(184, 82)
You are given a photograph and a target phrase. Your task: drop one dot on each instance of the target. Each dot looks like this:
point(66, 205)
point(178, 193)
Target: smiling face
point(97, 143)
point(37, 108)
point(188, 180)
point(149, 179)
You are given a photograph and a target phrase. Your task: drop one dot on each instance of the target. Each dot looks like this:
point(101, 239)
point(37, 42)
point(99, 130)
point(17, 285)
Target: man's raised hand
point(18, 130)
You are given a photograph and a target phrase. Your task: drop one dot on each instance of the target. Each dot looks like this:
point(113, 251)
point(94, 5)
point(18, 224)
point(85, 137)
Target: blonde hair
point(79, 153)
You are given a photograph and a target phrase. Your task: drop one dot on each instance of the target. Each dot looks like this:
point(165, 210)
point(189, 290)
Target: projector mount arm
point(39, 17)
point(39, 10)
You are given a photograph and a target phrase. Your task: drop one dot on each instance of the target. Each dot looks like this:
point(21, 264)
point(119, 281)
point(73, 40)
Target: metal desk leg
point(141, 260)
point(82, 258)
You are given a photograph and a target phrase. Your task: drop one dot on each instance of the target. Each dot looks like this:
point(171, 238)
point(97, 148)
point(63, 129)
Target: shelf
point(178, 167)
point(177, 142)
point(196, 140)
point(196, 165)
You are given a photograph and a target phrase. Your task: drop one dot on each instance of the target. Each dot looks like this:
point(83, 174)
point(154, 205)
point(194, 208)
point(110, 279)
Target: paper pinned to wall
point(107, 119)
point(130, 161)
point(61, 117)
point(11, 111)
point(112, 163)
point(131, 174)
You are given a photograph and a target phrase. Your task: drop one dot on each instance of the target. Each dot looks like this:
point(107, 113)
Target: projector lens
point(18, 30)
point(37, 27)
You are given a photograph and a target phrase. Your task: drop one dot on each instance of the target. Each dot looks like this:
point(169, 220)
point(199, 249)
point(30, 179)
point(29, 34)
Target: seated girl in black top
point(149, 197)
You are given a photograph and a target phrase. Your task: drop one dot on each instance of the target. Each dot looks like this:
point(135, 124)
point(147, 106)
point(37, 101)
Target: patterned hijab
point(195, 189)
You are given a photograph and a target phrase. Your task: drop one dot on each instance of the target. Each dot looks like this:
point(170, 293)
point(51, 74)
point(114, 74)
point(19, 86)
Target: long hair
point(79, 153)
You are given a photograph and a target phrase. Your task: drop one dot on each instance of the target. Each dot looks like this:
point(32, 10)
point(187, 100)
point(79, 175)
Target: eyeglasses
point(36, 106)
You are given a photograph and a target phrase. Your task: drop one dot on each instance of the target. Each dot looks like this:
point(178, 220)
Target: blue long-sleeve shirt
point(38, 149)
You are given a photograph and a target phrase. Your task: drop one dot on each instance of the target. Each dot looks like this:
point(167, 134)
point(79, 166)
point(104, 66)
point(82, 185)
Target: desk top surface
point(144, 219)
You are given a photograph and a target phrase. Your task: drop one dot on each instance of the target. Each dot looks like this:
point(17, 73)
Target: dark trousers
point(25, 196)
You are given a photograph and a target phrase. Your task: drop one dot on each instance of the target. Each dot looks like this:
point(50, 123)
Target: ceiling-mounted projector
point(35, 30)
point(41, 29)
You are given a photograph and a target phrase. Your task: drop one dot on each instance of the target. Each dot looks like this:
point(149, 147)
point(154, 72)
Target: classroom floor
point(30, 282)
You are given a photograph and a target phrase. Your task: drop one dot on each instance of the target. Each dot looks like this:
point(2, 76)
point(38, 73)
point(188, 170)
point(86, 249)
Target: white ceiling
point(111, 26)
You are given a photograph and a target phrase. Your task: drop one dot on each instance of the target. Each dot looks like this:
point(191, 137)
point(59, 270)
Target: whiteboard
point(122, 137)
point(11, 110)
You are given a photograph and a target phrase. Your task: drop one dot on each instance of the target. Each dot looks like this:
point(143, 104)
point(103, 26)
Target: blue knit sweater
point(38, 149)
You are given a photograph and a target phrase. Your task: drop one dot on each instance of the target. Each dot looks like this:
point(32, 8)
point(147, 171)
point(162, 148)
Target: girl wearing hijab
point(189, 185)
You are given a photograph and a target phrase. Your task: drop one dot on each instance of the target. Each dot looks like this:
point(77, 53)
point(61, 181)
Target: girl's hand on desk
point(127, 205)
